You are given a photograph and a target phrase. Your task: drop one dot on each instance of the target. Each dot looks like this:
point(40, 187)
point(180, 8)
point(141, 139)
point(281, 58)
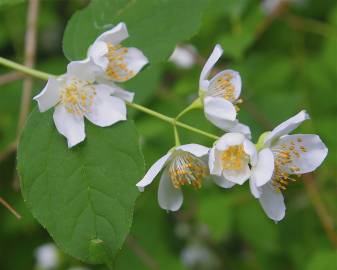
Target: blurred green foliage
point(291, 66)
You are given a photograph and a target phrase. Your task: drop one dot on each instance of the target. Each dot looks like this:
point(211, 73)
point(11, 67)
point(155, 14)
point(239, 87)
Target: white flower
point(118, 63)
point(221, 95)
point(290, 155)
point(184, 56)
point(47, 256)
point(75, 96)
point(231, 159)
point(181, 166)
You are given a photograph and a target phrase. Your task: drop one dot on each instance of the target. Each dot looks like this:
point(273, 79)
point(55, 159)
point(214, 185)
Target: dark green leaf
point(84, 195)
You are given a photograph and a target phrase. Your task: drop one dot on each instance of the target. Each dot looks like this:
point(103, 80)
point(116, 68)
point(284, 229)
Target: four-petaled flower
point(118, 63)
point(75, 96)
point(233, 159)
point(290, 156)
point(221, 95)
point(184, 165)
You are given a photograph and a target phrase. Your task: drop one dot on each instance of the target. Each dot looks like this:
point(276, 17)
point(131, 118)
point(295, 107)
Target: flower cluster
point(89, 90)
point(269, 166)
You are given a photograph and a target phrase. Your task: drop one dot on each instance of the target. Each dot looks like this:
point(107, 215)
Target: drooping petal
point(222, 182)
point(84, 70)
point(229, 139)
point(219, 111)
point(49, 96)
point(237, 176)
point(214, 162)
point(69, 125)
point(272, 202)
point(195, 149)
point(213, 58)
point(263, 171)
point(255, 190)
point(153, 172)
point(286, 127)
point(106, 110)
point(115, 35)
point(97, 53)
point(250, 150)
point(311, 152)
point(226, 84)
point(169, 198)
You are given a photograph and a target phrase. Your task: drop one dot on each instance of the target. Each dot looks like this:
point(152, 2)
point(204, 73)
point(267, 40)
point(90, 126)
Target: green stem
point(176, 135)
point(194, 105)
point(170, 120)
point(44, 76)
point(29, 71)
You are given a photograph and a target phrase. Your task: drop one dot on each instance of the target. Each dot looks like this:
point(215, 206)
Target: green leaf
point(155, 26)
point(84, 195)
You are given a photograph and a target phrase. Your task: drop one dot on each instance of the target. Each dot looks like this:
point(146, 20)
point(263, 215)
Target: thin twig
point(267, 22)
point(141, 253)
point(30, 51)
point(10, 208)
point(310, 25)
point(11, 148)
point(10, 77)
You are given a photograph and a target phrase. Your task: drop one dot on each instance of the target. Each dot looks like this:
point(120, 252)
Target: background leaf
point(84, 193)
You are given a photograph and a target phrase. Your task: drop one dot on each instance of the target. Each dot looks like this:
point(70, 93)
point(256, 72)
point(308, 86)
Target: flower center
point(223, 87)
point(284, 156)
point(187, 169)
point(77, 97)
point(117, 68)
point(233, 158)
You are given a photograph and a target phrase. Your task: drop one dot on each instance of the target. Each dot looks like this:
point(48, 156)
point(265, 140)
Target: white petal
point(214, 162)
point(250, 150)
point(256, 191)
point(49, 96)
point(117, 91)
point(315, 152)
point(106, 110)
point(222, 182)
point(229, 139)
point(272, 202)
point(237, 176)
point(235, 81)
point(135, 60)
point(97, 53)
point(115, 35)
point(218, 109)
point(195, 149)
point(213, 58)
point(264, 169)
point(169, 198)
point(240, 128)
point(286, 127)
point(69, 125)
point(153, 172)
point(83, 70)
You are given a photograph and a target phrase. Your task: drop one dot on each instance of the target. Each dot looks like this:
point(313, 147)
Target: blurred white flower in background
point(269, 6)
point(47, 256)
point(78, 268)
point(184, 56)
point(199, 256)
